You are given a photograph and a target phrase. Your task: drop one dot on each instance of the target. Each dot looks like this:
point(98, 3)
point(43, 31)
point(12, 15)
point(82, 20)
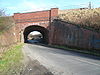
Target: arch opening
point(36, 34)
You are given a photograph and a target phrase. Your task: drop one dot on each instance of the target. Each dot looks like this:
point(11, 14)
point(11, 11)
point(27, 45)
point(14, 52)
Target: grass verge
point(77, 50)
point(11, 60)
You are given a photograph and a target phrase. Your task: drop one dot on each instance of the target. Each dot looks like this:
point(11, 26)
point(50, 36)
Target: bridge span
point(35, 21)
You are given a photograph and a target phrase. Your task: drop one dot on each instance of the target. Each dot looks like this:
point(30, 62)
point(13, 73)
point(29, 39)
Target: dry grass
point(88, 18)
point(6, 23)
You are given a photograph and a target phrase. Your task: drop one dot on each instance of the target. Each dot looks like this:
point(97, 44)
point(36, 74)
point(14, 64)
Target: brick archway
point(40, 29)
point(40, 19)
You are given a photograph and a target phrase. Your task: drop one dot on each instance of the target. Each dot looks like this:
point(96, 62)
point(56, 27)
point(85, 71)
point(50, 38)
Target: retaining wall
point(63, 33)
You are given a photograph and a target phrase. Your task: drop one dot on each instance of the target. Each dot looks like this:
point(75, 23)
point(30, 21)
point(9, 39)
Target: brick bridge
point(35, 21)
point(55, 31)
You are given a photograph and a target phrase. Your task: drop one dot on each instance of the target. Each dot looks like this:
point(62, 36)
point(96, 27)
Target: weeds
point(10, 58)
point(90, 52)
point(87, 18)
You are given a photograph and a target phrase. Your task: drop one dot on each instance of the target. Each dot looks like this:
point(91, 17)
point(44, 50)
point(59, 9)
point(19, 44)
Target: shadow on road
point(67, 51)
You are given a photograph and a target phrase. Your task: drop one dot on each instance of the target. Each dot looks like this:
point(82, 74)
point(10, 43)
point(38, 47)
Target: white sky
point(35, 33)
point(14, 6)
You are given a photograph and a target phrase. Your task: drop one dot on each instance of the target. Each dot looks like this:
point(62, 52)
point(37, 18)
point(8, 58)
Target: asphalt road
point(61, 62)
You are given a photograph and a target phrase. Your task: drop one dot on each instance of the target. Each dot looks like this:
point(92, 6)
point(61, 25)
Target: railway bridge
point(34, 21)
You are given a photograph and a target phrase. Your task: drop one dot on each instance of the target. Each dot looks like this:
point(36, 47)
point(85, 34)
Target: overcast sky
point(14, 6)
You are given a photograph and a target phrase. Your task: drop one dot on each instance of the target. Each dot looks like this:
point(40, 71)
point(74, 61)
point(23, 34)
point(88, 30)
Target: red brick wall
point(63, 33)
point(54, 13)
point(36, 17)
point(41, 18)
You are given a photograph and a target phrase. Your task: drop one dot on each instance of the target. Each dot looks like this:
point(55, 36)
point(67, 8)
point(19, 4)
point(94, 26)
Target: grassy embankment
point(6, 23)
point(10, 62)
point(6, 33)
point(11, 56)
point(86, 18)
point(76, 50)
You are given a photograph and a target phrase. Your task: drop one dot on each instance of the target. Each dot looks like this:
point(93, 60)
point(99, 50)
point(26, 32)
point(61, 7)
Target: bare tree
point(2, 12)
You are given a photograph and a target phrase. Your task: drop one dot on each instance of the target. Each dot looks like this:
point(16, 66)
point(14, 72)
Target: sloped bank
point(7, 33)
point(10, 62)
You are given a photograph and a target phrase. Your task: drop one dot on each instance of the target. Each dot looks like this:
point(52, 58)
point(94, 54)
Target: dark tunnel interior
point(41, 38)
